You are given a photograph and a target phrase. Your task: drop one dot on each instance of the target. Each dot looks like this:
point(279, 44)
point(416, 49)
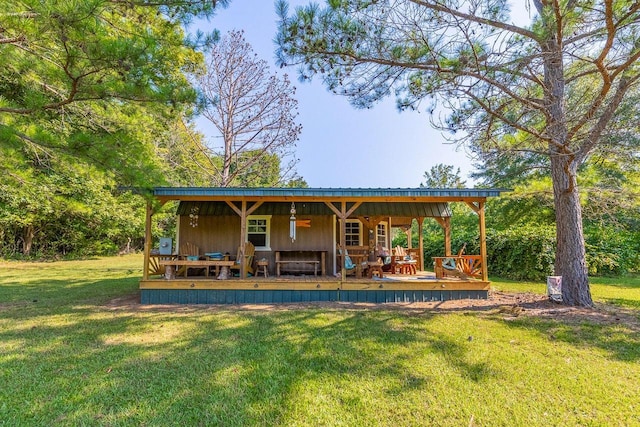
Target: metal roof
point(355, 193)
point(394, 209)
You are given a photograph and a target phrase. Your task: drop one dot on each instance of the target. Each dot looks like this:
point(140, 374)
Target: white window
point(382, 235)
point(259, 231)
point(353, 235)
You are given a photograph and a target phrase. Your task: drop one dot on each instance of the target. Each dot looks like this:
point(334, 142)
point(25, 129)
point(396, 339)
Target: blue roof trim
point(326, 192)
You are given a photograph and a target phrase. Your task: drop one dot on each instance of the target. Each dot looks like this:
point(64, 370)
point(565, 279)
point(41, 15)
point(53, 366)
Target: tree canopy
point(88, 91)
point(76, 75)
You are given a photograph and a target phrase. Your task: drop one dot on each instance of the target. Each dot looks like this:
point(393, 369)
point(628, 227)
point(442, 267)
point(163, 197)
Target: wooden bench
point(201, 263)
point(288, 263)
point(289, 260)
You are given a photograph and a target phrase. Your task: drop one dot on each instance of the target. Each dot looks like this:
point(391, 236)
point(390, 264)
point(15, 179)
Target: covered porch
point(305, 232)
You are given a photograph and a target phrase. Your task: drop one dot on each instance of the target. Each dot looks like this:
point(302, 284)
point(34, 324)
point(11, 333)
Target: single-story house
point(266, 245)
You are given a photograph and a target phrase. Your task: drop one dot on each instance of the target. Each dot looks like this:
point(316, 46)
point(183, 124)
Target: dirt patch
point(505, 304)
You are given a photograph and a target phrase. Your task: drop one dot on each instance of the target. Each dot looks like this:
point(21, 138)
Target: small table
point(374, 266)
point(264, 265)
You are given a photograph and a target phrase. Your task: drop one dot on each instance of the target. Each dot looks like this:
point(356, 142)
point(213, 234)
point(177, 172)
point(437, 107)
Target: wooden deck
point(423, 286)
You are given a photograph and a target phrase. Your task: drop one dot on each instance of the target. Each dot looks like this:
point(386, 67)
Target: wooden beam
point(355, 206)
point(334, 209)
point(475, 206)
point(370, 222)
point(253, 208)
point(249, 211)
point(330, 198)
point(234, 207)
point(440, 220)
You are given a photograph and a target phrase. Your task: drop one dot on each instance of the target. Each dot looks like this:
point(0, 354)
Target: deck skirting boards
point(270, 296)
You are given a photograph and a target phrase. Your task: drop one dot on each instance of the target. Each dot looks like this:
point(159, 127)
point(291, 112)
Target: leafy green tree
point(72, 70)
point(86, 91)
point(66, 209)
point(184, 155)
point(557, 84)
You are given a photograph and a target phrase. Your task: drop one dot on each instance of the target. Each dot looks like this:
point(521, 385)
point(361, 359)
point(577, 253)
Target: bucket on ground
point(554, 288)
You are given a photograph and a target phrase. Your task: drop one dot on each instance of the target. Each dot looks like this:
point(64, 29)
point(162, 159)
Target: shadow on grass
point(92, 365)
point(618, 341)
point(67, 360)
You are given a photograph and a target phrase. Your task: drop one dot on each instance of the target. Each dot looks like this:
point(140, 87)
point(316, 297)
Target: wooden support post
point(243, 239)
point(147, 242)
point(421, 243)
point(483, 242)
point(447, 236)
point(445, 223)
point(478, 207)
point(342, 215)
point(343, 238)
point(243, 213)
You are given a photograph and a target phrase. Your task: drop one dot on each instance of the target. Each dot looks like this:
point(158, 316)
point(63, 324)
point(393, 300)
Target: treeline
point(85, 215)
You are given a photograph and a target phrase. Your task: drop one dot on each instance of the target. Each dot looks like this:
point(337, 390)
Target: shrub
point(612, 253)
point(523, 253)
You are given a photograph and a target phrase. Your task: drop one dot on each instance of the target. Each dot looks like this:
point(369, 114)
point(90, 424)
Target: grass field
point(69, 356)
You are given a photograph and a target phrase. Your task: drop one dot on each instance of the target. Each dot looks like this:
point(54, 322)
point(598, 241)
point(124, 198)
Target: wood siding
point(222, 234)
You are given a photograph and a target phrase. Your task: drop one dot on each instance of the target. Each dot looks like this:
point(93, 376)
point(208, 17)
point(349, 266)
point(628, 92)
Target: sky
point(341, 146)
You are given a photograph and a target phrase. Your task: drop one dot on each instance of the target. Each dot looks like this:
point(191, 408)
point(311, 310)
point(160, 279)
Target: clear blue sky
point(341, 146)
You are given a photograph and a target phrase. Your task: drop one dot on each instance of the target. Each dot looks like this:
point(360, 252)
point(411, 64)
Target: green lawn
point(69, 358)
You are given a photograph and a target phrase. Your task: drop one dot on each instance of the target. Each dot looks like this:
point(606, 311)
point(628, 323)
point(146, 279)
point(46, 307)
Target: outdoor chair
point(350, 267)
point(188, 251)
point(249, 253)
point(402, 262)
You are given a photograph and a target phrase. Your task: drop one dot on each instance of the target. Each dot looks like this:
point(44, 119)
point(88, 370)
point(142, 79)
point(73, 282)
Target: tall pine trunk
point(570, 260)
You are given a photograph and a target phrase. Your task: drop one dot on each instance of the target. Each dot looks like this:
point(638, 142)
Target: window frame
point(360, 231)
point(385, 224)
point(267, 233)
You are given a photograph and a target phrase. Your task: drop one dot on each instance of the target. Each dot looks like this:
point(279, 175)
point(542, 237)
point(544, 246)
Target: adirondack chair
point(350, 267)
point(188, 249)
point(249, 253)
point(401, 262)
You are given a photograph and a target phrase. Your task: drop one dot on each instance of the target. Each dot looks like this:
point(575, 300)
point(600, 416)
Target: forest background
point(128, 123)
